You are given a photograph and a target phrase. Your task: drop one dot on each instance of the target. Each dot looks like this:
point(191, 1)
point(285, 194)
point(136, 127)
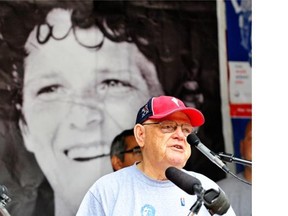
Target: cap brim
point(195, 116)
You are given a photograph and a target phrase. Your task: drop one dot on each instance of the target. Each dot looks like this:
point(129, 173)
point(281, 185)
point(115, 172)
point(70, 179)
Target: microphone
point(4, 199)
point(184, 181)
point(215, 201)
point(193, 140)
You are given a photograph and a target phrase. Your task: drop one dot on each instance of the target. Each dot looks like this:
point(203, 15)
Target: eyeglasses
point(135, 150)
point(171, 126)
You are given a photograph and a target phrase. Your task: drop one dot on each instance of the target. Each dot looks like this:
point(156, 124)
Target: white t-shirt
point(129, 192)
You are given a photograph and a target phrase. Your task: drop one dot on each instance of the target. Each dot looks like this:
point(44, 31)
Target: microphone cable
point(240, 179)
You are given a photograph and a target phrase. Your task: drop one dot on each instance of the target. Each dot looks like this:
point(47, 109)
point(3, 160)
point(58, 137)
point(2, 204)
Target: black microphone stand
point(197, 205)
point(229, 158)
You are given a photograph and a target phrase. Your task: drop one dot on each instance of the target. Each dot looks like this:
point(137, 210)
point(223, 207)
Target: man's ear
point(139, 133)
point(116, 163)
point(26, 136)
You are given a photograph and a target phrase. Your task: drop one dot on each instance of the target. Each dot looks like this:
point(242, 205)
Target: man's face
point(131, 157)
point(75, 100)
point(166, 149)
point(246, 143)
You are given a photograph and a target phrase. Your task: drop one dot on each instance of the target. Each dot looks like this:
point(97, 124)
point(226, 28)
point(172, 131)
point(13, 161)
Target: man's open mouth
point(178, 146)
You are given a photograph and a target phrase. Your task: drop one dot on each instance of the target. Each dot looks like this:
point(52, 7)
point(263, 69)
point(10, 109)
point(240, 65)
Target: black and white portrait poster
point(73, 75)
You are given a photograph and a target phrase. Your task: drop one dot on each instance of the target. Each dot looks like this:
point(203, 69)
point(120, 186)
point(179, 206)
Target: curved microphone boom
point(215, 201)
point(193, 140)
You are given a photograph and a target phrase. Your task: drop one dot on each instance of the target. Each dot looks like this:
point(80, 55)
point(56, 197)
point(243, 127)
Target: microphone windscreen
point(183, 180)
point(192, 139)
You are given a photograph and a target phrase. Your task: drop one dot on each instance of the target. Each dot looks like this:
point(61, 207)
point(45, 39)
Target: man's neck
point(152, 172)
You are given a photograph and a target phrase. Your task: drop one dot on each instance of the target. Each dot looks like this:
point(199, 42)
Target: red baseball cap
point(159, 107)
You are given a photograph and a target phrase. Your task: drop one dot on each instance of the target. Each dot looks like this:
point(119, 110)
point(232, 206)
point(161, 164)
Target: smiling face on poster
point(75, 73)
point(76, 99)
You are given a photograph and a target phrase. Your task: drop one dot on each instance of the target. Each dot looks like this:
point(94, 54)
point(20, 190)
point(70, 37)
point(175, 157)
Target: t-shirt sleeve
point(90, 206)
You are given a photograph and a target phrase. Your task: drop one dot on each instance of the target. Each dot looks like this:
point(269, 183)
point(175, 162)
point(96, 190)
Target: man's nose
point(179, 131)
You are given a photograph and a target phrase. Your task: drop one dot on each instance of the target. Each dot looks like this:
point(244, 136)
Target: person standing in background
point(239, 193)
point(124, 150)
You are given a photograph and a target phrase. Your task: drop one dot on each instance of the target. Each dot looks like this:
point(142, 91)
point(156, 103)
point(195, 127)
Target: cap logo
point(175, 101)
point(144, 110)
